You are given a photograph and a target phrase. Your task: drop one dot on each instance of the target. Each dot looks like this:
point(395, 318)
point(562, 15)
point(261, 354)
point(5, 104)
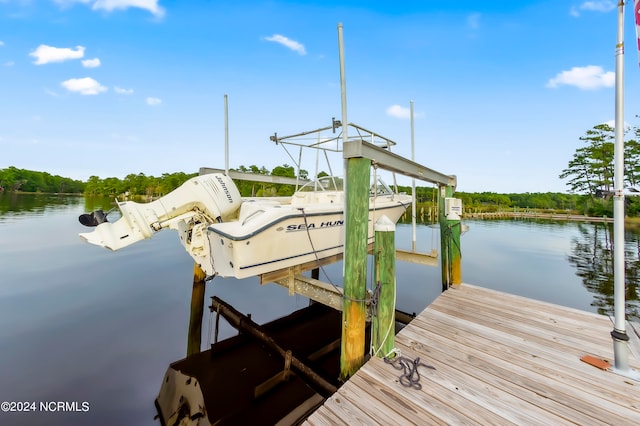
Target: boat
point(232, 236)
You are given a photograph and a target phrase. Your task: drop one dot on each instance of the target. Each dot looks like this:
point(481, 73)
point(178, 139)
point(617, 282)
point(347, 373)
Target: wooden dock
point(499, 359)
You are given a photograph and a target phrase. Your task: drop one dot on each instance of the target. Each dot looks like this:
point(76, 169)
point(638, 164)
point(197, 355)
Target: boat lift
point(325, 139)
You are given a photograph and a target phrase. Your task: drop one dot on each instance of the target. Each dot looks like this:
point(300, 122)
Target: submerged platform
point(242, 380)
point(499, 359)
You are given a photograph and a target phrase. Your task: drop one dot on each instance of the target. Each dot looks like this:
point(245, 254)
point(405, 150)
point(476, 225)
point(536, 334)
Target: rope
point(410, 376)
point(306, 226)
point(374, 308)
point(217, 327)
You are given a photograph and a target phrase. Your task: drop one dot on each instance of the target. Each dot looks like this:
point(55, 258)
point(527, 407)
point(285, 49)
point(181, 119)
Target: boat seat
point(320, 197)
point(251, 209)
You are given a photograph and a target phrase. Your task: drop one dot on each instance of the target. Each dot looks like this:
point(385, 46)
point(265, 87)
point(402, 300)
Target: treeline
point(136, 184)
point(491, 201)
point(545, 201)
point(548, 201)
point(14, 179)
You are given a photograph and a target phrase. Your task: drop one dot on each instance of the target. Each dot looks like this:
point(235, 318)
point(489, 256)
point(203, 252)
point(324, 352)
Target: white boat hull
point(286, 237)
point(234, 237)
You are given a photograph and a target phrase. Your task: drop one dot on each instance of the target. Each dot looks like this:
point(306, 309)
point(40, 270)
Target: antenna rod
point(343, 85)
point(226, 136)
point(413, 186)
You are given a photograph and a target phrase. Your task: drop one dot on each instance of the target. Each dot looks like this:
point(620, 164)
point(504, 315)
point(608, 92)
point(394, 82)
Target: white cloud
point(110, 5)
point(591, 77)
point(9, 64)
point(288, 43)
point(593, 6)
point(45, 54)
point(473, 21)
point(598, 6)
point(399, 111)
point(612, 124)
point(69, 3)
point(153, 101)
point(1, 43)
point(121, 91)
point(91, 63)
point(84, 86)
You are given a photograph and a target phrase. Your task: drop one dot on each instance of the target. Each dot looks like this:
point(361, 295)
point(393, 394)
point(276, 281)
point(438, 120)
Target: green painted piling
point(355, 266)
point(383, 322)
point(197, 310)
point(450, 255)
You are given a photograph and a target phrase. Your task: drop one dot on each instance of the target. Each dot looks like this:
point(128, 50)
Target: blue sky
point(502, 90)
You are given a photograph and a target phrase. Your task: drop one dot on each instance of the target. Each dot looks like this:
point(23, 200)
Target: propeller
point(93, 219)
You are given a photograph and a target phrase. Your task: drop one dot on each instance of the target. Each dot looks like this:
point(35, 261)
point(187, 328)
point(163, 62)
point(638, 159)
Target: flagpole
point(619, 333)
point(413, 186)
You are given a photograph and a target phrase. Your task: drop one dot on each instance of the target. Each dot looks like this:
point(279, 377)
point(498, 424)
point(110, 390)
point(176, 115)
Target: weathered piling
point(383, 322)
point(355, 266)
point(450, 255)
point(197, 310)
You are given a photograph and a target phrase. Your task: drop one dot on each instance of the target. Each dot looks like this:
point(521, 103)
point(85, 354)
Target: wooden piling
point(197, 310)
point(383, 322)
point(355, 266)
point(450, 255)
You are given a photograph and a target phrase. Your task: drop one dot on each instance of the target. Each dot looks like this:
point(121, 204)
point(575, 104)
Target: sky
point(502, 90)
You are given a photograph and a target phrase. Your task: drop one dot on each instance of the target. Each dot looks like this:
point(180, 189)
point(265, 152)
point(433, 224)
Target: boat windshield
point(326, 183)
point(333, 183)
point(380, 188)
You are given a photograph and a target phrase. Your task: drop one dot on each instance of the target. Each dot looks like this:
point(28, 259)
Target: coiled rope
point(410, 376)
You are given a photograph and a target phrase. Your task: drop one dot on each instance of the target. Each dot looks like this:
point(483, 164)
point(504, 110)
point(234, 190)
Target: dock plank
point(519, 352)
point(499, 359)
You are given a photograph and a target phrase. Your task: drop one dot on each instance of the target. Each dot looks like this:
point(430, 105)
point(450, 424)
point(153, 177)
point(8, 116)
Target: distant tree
point(632, 160)
point(591, 170)
point(592, 167)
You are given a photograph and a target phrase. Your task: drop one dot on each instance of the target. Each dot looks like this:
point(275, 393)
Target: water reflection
point(84, 323)
point(592, 256)
point(15, 203)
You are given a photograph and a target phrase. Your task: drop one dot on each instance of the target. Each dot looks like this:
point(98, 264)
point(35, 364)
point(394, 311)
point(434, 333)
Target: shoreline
point(536, 215)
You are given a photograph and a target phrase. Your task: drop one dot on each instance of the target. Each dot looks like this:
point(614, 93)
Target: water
point(79, 323)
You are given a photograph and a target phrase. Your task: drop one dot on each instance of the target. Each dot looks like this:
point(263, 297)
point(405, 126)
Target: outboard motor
point(200, 201)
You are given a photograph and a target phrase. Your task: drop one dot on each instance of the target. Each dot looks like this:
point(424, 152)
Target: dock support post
point(355, 266)
point(197, 310)
point(383, 322)
point(450, 256)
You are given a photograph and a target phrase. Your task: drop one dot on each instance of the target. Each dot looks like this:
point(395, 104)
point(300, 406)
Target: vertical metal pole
point(413, 187)
point(619, 333)
point(343, 86)
point(356, 215)
point(226, 136)
point(197, 310)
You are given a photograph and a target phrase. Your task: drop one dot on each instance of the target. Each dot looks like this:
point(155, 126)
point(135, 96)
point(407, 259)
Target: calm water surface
point(81, 323)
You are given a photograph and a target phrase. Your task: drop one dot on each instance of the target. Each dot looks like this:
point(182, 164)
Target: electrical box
point(453, 208)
